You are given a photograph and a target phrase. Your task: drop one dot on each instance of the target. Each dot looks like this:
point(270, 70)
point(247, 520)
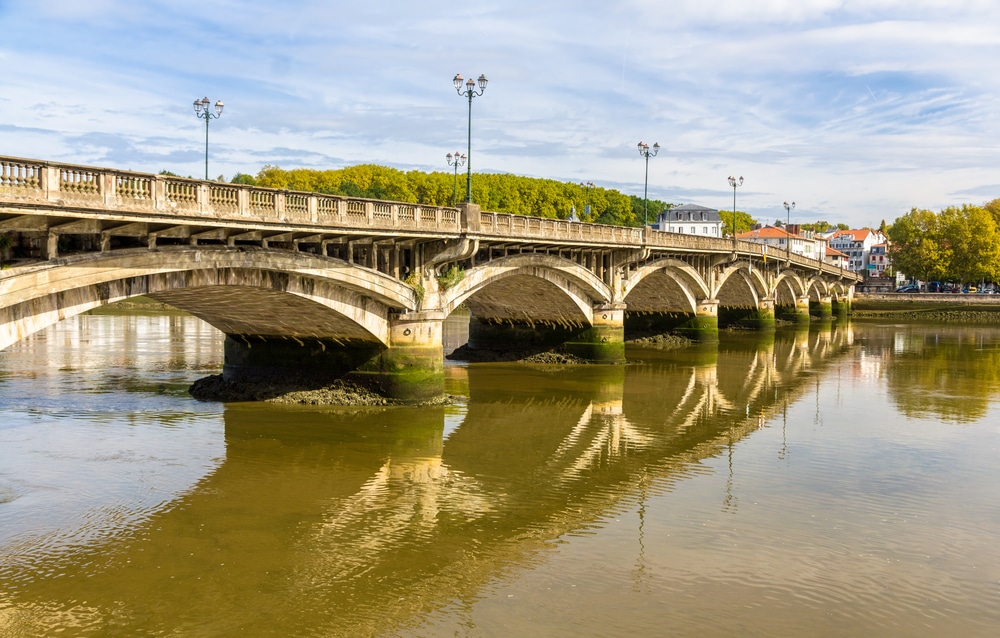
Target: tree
point(993, 206)
point(971, 233)
point(243, 178)
point(817, 227)
point(650, 211)
point(916, 247)
point(497, 192)
point(744, 222)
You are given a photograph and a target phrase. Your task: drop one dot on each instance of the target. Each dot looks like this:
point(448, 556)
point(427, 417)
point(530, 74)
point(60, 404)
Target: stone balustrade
point(97, 189)
point(142, 196)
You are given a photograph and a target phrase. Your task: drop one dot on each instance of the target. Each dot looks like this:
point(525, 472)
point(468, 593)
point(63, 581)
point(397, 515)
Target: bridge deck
point(64, 199)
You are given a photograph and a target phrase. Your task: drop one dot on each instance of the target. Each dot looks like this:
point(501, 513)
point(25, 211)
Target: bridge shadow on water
point(360, 521)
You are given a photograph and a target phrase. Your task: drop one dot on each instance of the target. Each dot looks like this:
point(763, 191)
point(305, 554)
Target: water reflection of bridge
point(365, 520)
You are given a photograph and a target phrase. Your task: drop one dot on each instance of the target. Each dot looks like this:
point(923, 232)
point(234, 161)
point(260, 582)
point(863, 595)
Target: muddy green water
point(841, 481)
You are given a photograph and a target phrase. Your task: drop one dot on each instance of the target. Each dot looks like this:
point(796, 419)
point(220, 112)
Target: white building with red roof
point(836, 258)
point(857, 244)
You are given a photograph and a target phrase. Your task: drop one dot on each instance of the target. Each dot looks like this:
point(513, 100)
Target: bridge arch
point(530, 288)
point(788, 287)
point(740, 285)
point(665, 285)
point(239, 291)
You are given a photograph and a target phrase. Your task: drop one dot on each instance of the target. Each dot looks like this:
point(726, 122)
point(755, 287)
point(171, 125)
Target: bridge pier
point(822, 308)
point(840, 307)
point(604, 342)
point(801, 312)
point(759, 318)
point(412, 367)
point(765, 314)
point(704, 326)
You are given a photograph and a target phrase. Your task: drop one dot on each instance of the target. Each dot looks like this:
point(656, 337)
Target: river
point(830, 482)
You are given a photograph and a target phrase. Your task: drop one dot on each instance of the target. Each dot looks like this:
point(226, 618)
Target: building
point(836, 258)
point(857, 244)
point(878, 261)
point(781, 241)
point(690, 219)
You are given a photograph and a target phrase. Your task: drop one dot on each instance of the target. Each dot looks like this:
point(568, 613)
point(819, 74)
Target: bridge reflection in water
point(362, 521)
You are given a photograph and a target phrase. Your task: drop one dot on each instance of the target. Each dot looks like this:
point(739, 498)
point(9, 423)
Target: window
point(704, 229)
point(694, 231)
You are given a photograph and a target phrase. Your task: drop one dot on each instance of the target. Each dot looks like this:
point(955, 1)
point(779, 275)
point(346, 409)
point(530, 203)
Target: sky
point(857, 110)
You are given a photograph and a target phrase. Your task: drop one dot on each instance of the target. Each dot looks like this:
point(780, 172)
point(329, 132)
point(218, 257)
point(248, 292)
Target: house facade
point(857, 244)
point(878, 260)
point(690, 219)
point(836, 258)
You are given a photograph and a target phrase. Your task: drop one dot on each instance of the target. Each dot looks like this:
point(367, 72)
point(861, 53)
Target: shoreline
point(928, 307)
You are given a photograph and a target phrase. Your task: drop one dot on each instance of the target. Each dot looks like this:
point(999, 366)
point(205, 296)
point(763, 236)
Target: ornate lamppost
point(735, 182)
point(586, 188)
point(646, 152)
point(455, 160)
point(201, 110)
point(788, 235)
point(469, 92)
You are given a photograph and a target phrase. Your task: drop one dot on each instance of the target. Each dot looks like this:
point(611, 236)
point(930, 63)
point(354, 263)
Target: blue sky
point(857, 110)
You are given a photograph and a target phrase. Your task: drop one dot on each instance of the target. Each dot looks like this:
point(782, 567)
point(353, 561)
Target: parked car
point(908, 288)
point(935, 286)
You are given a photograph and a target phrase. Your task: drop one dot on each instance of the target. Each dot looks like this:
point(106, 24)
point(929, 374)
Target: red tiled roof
point(859, 235)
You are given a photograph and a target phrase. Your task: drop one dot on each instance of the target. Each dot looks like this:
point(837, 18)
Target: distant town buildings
point(863, 250)
point(690, 219)
point(857, 245)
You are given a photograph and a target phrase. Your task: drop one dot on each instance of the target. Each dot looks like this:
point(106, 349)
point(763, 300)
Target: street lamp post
point(735, 182)
point(201, 110)
point(788, 235)
point(646, 152)
point(586, 188)
point(455, 160)
point(469, 92)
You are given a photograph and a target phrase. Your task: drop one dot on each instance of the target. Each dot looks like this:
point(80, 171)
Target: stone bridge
point(306, 283)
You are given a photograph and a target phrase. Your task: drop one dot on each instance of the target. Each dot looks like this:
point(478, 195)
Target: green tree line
point(496, 192)
point(960, 244)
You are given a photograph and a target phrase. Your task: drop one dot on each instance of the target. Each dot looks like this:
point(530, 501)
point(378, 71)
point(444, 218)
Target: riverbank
point(933, 307)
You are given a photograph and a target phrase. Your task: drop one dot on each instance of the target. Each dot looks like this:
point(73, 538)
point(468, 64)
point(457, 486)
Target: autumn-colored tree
point(744, 222)
point(916, 248)
point(974, 241)
point(497, 192)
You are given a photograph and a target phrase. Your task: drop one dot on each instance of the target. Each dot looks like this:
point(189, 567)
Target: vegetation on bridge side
point(501, 193)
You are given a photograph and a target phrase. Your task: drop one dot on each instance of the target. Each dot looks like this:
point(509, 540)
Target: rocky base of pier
point(338, 392)
point(482, 355)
